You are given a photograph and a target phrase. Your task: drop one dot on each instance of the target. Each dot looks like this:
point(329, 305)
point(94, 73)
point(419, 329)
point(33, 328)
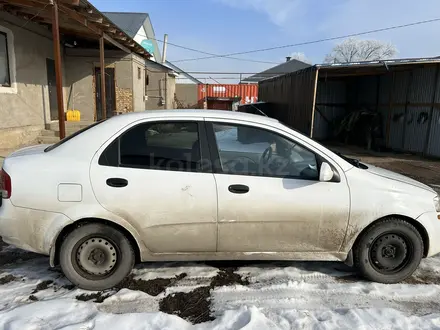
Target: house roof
point(183, 73)
point(283, 68)
point(130, 23)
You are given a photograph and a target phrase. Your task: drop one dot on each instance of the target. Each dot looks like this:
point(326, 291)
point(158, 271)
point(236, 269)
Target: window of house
point(249, 150)
point(172, 146)
point(5, 79)
point(139, 73)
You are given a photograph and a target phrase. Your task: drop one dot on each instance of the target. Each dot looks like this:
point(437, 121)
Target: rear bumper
point(432, 225)
point(29, 229)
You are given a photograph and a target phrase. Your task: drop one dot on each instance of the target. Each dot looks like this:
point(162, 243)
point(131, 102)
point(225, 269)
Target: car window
point(67, 138)
point(249, 150)
point(172, 146)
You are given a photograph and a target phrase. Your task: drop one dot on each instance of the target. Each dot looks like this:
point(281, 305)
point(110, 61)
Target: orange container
point(247, 92)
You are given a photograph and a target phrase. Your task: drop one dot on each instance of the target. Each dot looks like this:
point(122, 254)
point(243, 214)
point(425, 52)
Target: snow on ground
point(258, 295)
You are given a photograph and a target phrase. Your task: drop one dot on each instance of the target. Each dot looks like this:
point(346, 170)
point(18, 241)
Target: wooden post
point(59, 78)
point(315, 87)
point(102, 61)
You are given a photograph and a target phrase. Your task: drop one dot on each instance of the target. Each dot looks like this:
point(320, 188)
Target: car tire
point(389, 251)
point(96, 257)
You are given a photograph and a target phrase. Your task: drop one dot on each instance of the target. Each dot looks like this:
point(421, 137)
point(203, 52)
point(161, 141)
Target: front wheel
point(389, 251)
point(96, 256)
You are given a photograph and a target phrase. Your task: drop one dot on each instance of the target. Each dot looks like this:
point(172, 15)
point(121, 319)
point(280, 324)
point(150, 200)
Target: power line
point(314, 41)
point(201, 51)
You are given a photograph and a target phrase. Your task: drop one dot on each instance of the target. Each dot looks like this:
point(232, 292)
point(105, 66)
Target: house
point(291, 65)
point(33, 68)
point(186, 95)
point(160, 77)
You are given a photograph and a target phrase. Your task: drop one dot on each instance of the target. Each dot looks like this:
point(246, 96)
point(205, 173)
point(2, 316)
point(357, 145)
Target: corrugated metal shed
point(293, 96)
point(406, 94)
point(434, 137)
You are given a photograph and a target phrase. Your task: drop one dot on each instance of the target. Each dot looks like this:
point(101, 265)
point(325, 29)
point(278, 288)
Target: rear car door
point(270, 198)
point(152, 176)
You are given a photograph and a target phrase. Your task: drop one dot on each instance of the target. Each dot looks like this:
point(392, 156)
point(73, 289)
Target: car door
point(274, 203)
point(152, 176)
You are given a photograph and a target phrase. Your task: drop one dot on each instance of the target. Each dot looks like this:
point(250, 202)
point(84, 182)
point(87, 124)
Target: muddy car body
point(206, 185)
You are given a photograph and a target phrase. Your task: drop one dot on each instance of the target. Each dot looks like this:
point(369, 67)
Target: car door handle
point(117, 182)
point(238, 189)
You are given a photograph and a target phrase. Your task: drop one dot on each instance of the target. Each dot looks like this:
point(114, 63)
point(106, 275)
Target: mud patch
point(423, 278)
point(97, 297)
point(42, 286)
point(2, 244)
point(226, 277)
point(33, 298)
point(69, 287)
point(8, 256)
point(7, 279)
point(352, 278)
point(152, 287)
point(195, 306)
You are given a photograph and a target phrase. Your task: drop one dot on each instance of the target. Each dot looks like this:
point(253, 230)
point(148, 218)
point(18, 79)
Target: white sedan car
point(209, 185)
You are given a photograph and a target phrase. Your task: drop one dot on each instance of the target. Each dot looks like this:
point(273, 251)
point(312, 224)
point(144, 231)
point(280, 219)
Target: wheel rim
point(96, 256)
point(390, 253)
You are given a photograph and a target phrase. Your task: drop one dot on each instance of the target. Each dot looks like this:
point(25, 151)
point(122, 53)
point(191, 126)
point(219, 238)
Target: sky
point(227, 26)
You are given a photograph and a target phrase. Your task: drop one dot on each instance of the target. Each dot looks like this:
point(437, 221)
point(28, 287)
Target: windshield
point(67, 138)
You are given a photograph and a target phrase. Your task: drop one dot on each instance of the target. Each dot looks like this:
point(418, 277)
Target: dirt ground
point(421, 169)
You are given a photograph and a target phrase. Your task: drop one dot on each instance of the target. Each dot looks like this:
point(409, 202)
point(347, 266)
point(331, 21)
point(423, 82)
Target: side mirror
point(326, 172)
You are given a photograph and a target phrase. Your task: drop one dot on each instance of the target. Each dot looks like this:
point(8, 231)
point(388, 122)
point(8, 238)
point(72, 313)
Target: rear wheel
point(389, 251)
point(96, 256)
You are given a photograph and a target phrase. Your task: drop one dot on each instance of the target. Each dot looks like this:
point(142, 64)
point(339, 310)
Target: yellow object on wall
point(73, 115)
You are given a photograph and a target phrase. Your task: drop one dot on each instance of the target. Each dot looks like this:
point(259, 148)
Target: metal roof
point(180, 71)
point(129, 22)
point(420, 60)
point(132, 22)
point(283, 68)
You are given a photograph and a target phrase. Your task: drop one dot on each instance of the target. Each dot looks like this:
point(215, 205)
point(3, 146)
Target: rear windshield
point(82, 130)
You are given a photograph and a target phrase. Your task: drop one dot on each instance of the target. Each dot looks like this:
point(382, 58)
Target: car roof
point(222, 114)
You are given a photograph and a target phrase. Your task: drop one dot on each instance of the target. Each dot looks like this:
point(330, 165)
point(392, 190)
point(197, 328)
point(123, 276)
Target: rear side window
point(173, 146)
point(56, 145)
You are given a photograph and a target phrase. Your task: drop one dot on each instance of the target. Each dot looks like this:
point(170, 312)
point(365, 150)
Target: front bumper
point(28, 229)
point(432, 225)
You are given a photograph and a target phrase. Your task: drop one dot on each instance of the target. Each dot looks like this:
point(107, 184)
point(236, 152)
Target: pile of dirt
point(7, 279)
point(98, 297)
point(152, 287)
point(42, 286)
point(33, 298)
point(194, 306)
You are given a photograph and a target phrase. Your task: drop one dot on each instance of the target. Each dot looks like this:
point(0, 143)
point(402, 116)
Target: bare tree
point(354, 50)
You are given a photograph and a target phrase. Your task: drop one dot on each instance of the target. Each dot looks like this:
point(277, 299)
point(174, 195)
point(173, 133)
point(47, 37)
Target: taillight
point(5, 184)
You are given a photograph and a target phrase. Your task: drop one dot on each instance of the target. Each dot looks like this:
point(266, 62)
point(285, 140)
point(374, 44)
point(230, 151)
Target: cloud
point(278, 11)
